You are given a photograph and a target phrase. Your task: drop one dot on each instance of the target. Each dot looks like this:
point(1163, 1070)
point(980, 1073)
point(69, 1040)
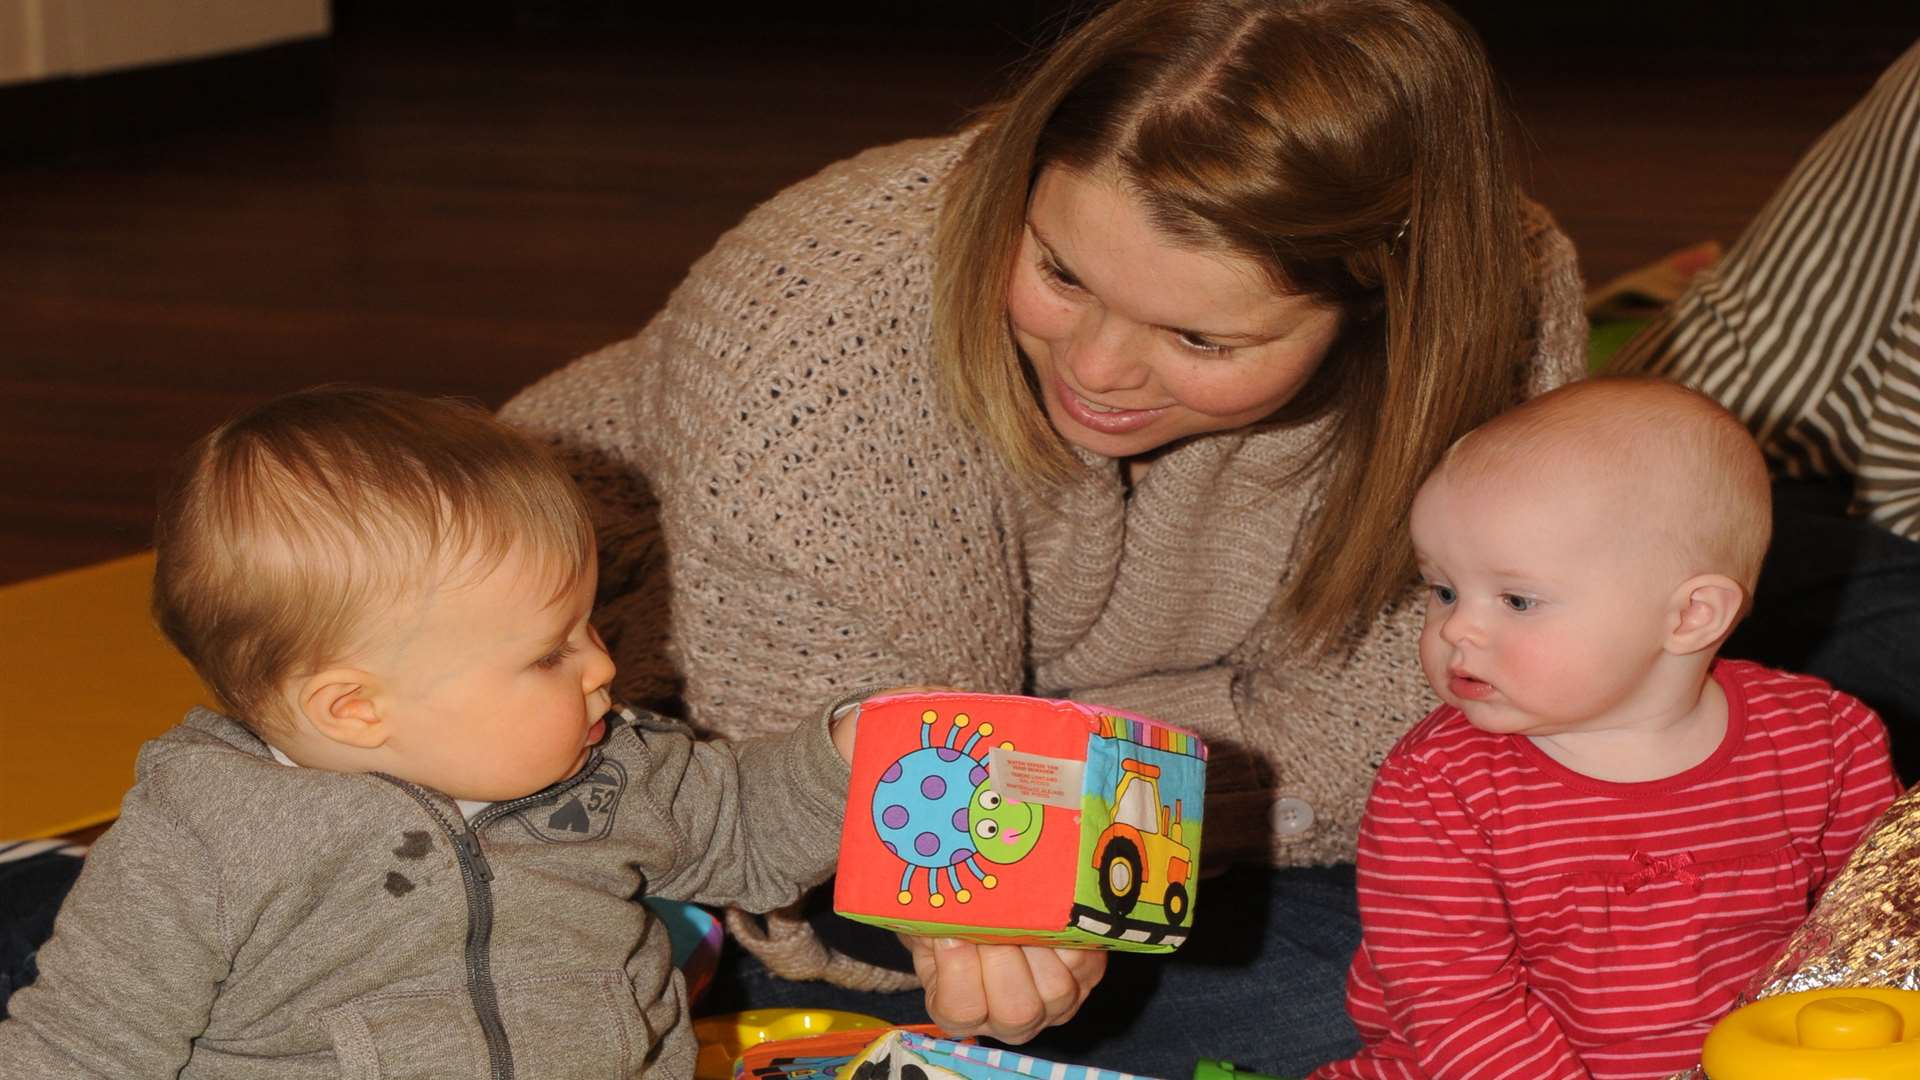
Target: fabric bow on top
point(1657, 868)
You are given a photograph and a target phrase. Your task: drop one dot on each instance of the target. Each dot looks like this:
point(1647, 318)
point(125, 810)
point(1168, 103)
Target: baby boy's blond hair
point(294, 527)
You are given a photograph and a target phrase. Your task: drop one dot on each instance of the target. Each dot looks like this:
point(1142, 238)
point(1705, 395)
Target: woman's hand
point(1009, 992)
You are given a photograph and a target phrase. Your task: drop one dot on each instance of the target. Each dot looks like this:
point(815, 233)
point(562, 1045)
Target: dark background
point(458, 195)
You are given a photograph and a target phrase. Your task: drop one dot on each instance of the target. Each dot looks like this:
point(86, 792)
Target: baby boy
point(410, 845)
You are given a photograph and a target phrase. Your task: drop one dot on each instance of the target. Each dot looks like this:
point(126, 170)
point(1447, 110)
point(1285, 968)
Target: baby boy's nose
point(597, 674)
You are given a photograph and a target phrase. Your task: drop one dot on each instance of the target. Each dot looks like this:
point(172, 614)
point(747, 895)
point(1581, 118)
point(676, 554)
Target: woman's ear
point(1706, 607)
point(339, 703)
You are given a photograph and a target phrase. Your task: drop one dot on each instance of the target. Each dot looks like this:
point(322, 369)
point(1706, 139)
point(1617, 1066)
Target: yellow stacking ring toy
point(723, 1038)
point(1847, 1034)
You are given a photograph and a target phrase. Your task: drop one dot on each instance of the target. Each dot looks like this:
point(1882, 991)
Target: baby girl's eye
point(1443, 593)
point(555, 658)
point(1519, 603)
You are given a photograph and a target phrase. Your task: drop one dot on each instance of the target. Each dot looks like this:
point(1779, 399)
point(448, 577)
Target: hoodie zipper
point(476, 878)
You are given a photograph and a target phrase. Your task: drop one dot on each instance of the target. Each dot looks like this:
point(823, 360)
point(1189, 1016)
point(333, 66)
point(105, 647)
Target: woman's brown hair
point(1354, 149)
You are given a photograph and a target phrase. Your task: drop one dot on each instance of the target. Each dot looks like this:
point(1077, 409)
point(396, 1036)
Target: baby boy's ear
point(340, 705)
point(1706, 608)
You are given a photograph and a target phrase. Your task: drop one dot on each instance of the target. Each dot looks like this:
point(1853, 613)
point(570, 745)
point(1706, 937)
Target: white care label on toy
point(1050, 781)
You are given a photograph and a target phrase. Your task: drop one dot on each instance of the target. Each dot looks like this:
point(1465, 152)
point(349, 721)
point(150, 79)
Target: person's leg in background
point(1809, 330)
point(34, 879)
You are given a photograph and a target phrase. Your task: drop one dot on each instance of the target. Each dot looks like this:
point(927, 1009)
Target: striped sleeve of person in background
point(1809, 329)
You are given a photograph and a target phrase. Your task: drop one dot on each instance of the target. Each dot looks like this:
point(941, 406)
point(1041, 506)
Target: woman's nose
point(1105, 355)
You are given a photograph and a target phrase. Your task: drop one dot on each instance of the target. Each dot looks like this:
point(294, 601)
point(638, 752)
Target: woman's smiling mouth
point(1106, 419)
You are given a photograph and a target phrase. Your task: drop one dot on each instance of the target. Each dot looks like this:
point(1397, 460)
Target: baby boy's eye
point(1443, 593)
point(1519, 603)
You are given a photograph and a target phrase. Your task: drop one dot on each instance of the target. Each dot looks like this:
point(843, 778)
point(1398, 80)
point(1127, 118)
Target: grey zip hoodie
point(244, 919)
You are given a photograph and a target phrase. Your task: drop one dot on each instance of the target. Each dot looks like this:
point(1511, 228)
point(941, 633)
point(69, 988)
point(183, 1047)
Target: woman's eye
point(1519, 603)
point(1199, 344)
point(555, 658)
point(1442, 593)
point(1051, 271)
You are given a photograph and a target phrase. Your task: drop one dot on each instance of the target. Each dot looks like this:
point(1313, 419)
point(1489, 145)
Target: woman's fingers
point(1065, 977)
point(950, 971)
point(1009, 992)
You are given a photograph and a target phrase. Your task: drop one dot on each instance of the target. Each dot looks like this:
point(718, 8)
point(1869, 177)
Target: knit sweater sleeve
point(128, 979)
point(822, 524)
point(1558, 294)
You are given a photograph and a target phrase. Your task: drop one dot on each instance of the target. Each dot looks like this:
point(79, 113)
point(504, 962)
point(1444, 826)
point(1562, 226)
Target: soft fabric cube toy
point(993, 817)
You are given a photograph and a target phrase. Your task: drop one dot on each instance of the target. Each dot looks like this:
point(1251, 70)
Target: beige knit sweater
point(821, 524)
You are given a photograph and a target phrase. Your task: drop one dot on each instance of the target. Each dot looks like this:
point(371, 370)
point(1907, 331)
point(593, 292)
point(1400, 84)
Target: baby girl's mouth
point(1466, 686)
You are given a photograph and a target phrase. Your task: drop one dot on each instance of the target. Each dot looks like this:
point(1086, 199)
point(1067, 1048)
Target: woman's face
point(1138, 343)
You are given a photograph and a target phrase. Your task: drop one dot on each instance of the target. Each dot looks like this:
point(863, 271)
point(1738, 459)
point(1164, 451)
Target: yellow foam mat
point(85, 678)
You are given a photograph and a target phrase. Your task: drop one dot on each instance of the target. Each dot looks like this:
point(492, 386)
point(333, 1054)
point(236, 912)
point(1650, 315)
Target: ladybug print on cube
point(935, 810)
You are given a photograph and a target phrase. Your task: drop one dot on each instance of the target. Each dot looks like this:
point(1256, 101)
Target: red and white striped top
point(1520, 920)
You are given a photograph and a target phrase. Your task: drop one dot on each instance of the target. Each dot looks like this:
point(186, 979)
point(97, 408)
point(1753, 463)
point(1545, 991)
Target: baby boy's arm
point(755, 822)
point(1438, 989)
point(128, 979)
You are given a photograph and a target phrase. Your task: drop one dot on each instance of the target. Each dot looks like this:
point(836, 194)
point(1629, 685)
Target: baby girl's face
point(1542, 617)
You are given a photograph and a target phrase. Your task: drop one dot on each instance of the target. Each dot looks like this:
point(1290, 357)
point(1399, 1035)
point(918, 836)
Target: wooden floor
point(468, 211)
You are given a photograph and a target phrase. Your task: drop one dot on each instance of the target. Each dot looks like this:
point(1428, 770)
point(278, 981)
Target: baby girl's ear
point(1704, 610)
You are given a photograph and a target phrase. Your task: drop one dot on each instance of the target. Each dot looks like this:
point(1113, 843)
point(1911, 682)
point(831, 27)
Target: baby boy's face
point(1541, 617)
point(494, 689)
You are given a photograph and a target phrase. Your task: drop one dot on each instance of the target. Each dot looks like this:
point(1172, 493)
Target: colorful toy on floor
point(723, 1039)
point(909, 1055)
point(696, 936)
point(1209, 1069)
point(994, 817)
point(814, 1057)
point(1859, 1033)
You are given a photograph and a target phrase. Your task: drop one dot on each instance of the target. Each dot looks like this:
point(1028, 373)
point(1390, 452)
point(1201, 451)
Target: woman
point(1119, 395)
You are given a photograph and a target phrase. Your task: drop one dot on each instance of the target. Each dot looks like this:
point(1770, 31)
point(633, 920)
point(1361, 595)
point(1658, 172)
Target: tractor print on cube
point(995, 817)
point(934, 809)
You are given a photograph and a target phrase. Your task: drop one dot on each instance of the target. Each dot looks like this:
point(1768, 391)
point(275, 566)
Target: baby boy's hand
point(847, 718)
point(1009, 992)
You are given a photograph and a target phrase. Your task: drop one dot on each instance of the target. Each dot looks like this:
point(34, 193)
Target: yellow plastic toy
point(722, 1038)
point(1854, 1033)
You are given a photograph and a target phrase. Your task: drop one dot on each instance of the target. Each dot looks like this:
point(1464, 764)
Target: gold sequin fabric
point(1865, 931)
